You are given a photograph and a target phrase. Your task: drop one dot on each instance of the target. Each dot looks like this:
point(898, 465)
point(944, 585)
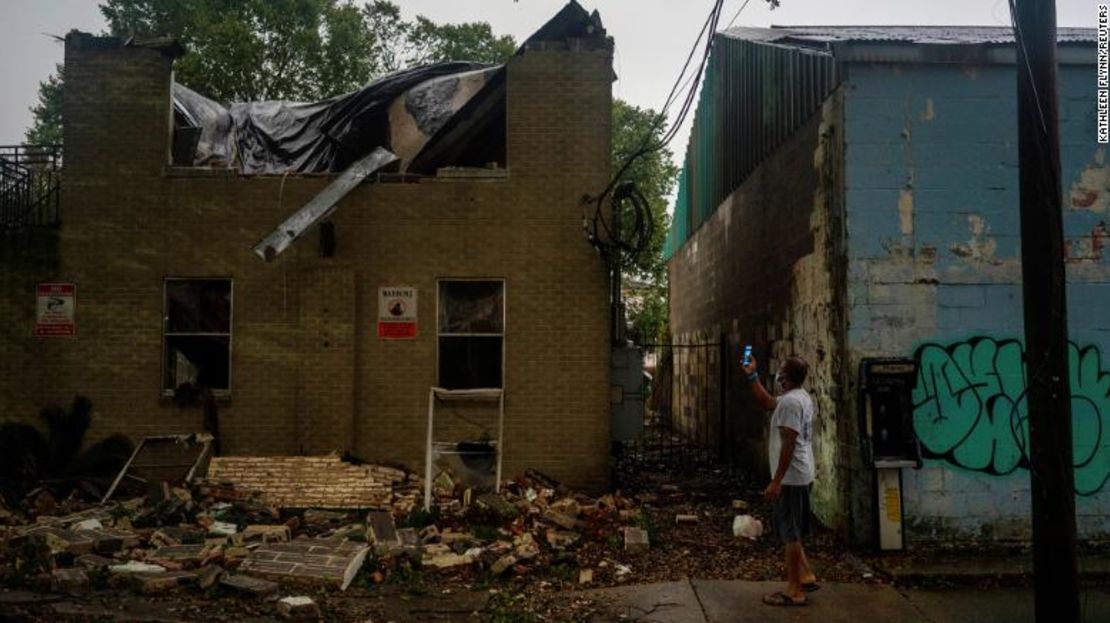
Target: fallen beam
point(322, 205)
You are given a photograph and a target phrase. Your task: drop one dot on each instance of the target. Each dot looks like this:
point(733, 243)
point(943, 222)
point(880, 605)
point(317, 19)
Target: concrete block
point(635, 540)
point(301, 608)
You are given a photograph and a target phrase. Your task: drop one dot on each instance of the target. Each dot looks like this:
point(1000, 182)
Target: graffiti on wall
point(970, 408)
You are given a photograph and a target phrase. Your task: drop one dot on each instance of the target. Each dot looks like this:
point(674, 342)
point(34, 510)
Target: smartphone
point(747, 358)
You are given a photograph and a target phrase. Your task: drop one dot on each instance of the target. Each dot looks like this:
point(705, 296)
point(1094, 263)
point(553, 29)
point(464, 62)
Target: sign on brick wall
point(397, 313)
point(57, 304)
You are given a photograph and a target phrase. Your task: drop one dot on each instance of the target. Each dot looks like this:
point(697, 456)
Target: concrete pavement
point(728, 601)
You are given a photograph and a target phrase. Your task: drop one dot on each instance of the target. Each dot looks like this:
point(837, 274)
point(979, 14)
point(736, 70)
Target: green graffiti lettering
point(970, 408)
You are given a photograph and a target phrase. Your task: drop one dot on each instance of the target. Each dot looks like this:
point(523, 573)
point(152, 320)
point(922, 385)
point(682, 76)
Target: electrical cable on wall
point(643, 226)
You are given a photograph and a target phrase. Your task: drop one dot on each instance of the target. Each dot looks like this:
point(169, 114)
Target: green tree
point(47, 126)
point(655, 175)
point(431, 43)
point(246, 50)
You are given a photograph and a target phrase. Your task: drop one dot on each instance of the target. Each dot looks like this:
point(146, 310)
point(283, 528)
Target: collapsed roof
point(446, 114)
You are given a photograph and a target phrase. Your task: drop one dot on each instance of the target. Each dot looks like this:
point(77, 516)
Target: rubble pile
point(244, 531)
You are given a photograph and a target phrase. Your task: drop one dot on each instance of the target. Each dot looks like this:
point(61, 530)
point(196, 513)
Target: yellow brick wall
point(128, 223)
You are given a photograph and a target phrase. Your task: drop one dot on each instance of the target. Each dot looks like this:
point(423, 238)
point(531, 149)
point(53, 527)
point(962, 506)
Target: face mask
point(778, 379)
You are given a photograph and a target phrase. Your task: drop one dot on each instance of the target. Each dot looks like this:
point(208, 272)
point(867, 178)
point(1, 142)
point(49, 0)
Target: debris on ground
point(259, 527)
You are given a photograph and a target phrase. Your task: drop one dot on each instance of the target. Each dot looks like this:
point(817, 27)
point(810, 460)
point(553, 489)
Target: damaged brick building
point(472, 239)
point(852, 193)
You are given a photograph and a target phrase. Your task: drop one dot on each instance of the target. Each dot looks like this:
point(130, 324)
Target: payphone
point(889, 441)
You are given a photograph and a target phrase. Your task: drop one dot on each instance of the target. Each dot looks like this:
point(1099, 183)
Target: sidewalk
point(727, 601)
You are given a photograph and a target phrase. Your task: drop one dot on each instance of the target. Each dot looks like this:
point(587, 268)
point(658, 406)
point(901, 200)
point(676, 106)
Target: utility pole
point(1051, 472)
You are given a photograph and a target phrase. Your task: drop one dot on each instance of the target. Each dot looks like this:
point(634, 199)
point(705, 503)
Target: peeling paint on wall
point(905, 211)
point(1091, 191)
point(981, 247)
point(929, 113)
point(1088, 248)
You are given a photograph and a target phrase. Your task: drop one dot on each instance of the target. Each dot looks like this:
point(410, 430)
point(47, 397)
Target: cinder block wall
point(935, 272)
point(765, 270)
point(308, 372)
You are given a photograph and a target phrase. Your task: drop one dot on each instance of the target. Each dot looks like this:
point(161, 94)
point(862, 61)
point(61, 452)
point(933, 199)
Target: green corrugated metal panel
point(753, 97)
point(677, 233)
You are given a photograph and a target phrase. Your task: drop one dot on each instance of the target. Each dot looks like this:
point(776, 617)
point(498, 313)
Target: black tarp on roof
point(280, 136)
point(457, 126)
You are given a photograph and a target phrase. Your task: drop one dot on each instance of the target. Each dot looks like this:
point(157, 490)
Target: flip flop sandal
point(782, 599)
point(810, 587)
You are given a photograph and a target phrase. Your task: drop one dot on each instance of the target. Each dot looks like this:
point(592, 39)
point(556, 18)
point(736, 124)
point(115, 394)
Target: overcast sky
point(652, 36)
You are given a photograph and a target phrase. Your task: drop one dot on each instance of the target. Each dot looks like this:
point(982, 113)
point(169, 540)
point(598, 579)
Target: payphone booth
point(889, 442)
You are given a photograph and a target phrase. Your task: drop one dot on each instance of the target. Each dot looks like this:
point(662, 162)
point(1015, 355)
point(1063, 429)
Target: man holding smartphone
point(790, 454)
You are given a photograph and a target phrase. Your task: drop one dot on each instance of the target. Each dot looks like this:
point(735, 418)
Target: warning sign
point(57, 306)
point(397, 313)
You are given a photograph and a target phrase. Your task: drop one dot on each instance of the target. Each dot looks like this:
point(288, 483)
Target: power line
point(738, 12)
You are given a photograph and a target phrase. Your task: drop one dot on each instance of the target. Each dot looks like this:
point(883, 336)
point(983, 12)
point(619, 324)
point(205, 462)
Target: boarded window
point(196, 333)
point(471, 334)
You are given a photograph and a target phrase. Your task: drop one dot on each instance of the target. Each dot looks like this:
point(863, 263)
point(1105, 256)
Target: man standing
point(790, 454)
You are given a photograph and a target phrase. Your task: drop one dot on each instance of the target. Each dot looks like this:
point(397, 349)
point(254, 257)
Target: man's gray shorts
point(791, 513)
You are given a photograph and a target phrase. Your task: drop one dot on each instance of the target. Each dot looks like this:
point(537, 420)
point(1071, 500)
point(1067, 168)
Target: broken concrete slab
point(635, 540)
point(299, 608)
point(134, 566)
point(255, 587)
point(313, 561)
point(381, 531)
point(448, 560)
point(69, 581)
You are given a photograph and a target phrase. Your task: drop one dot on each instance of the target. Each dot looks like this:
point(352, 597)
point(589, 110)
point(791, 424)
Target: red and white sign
point(57, 307)
point(397, 313)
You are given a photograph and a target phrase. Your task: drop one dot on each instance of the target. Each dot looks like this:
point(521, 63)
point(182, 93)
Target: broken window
point(471, 334)
point(196, 333)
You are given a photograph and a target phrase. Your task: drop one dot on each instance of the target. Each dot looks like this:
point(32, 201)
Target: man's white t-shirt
point(795, 411)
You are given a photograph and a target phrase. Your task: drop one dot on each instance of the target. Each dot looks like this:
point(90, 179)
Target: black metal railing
point(30, 185)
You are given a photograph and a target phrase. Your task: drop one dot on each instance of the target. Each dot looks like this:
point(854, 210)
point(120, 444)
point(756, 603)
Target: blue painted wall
point(931, 186)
